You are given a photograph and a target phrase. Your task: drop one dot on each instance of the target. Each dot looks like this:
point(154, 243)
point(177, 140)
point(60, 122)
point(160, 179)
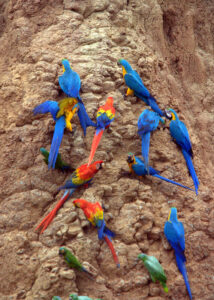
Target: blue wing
point(108, 232)
point(46, 107)
point(174, 232)
point(56, 141)
point(70, 83)
point(180, 133)
point(137, 86)
point(153, 103)
point(137, 76)
point(147, 121)
point(103, 120)
point(139, 167)
point(100, 230)
point(85, 120)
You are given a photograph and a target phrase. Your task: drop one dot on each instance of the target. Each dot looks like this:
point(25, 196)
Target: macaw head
point(110, 101)
point(63, 251)
point(66, 65)
point(73, 297)
point(171, 114)
point(125, 65)
point(81, 203)
point(130, 158)
point(142, 256)
point(97, 165)
point(173, 215)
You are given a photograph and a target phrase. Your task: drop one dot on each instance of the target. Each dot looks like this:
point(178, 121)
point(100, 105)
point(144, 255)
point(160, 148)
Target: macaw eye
point(99, 166)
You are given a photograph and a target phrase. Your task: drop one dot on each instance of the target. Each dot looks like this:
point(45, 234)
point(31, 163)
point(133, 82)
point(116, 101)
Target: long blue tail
point(84, 118)
point(154, 106)
point(171, 181)
point(56, 141)
point(145, 149)
point(182, 269)
point(191, 169)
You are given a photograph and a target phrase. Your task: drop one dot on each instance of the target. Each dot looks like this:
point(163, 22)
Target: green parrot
point(56, 298)
point(155, 269)
point(60, 164)
point(72, 261)
point(76, 297)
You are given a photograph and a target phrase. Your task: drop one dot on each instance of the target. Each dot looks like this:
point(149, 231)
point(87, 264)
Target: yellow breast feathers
point(66, 108)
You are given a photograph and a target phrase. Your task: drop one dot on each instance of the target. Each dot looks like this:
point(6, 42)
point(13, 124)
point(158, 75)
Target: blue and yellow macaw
point(70, 83)
point(147, 122)
point(62, 121)
point(174, 232)
point(95, 215)
point(137, 167)
point(105, 115)
point(180, 134)
point(136, 86)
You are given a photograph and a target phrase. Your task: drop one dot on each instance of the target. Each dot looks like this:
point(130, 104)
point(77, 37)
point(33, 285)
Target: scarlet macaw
point(105, 115)
point(94, 213)
point(82, 176)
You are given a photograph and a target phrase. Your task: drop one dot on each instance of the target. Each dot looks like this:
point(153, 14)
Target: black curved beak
point(129, 159)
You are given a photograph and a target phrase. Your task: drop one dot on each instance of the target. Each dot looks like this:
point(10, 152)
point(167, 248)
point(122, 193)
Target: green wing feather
point(72, 261)
point(156, 271)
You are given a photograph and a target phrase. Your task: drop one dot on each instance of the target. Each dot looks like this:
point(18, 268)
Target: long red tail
point(111, 247)
point(48, 219)
point(95, 143)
